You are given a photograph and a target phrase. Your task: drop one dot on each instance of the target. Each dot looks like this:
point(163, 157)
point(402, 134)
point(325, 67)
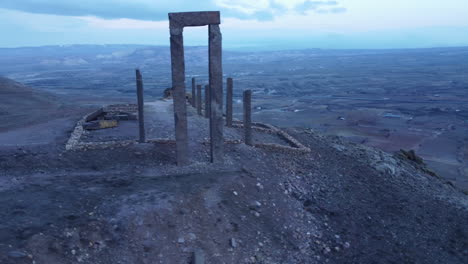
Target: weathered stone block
point(101, 124)
point(198, 257)
point(178, 93)
point(199, 99)
point(216, 93)
point(193, 19)
point(141, 118)
point(207, 101)
point(94, 115)
point(229, 95)
point(120, 116)
point(193, 100)
point(248, 117)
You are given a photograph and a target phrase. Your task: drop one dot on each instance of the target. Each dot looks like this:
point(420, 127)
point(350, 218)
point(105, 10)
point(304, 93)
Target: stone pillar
point(141, 118)
point(207, 101)
point(178, 93)
point(216, 93)
point(248, 117)
point(214, 107)
point(229, 88)
point(193, 101)
point(199, 101)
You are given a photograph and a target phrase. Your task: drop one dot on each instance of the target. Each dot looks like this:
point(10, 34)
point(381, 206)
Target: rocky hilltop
point(339, 203)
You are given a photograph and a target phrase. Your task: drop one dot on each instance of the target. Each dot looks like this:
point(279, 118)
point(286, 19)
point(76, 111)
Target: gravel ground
point(341, 203)
point(159, 124)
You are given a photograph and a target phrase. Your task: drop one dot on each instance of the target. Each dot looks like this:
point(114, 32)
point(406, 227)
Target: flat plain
point(389, 99)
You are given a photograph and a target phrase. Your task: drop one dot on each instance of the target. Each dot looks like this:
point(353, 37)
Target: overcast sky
point(261, 24)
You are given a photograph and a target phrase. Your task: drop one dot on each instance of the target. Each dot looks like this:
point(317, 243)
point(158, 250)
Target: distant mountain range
point(74, 56)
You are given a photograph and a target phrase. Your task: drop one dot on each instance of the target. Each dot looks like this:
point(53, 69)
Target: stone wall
point(74, 142)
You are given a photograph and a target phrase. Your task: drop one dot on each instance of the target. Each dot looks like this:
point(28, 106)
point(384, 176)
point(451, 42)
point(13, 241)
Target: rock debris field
point(339, 203)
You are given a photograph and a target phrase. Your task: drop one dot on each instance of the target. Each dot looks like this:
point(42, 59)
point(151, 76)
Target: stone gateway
point(177, 22)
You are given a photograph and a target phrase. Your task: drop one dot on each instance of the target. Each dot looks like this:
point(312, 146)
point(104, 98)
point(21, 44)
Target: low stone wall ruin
point(296, 146)
point(74, 142)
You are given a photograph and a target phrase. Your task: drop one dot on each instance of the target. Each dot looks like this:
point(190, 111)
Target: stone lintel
point(193, 19)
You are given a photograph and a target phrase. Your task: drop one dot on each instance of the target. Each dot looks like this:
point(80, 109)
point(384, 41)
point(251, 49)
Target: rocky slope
point(341, 203)
point(21, 105)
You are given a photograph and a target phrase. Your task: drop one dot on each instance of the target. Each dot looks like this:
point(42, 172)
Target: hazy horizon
point(242, 49)
point(264, 24)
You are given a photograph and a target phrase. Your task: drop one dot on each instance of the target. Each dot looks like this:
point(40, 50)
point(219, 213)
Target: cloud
point(156, 10)
point(124, 23)
point(357, 28)
point(312, 5)
point(110, 9)
point(335, 10)
point(268, 9)
point(321, 7)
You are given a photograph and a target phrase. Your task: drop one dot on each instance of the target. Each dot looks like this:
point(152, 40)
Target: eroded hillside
point(340, 203)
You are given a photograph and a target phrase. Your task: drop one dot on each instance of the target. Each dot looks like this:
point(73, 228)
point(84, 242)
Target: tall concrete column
point(193, 100)
point(216, 93)
point(178, 93)
point(207, 101)
point(248, 117)
point(229, 88)
point(141, 118)
point(199, 100)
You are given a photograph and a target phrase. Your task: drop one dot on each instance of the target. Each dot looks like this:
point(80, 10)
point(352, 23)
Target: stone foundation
point(74, 142)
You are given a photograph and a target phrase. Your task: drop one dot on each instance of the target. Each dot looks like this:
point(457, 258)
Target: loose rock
point(17, 254)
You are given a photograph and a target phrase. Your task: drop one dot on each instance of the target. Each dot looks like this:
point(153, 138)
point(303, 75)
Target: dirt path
point(159, 119)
